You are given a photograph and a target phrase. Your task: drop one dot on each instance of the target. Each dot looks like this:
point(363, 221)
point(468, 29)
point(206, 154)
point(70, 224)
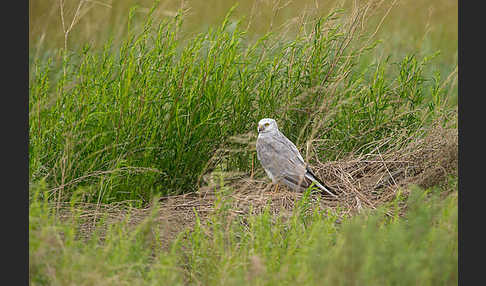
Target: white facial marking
point(267, 124)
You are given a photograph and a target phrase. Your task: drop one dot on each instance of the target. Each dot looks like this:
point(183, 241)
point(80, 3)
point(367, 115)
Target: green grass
point(147, 117)
point(308, 248)
point(421, 25)
point(149, 110)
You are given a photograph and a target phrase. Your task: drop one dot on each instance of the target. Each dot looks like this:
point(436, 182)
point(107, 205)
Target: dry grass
point(362, 181)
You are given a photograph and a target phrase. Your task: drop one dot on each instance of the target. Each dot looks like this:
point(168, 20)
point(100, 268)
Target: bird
point(282, 161)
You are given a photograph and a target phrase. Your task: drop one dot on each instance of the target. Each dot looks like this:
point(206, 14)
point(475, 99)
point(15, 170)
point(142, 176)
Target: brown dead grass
point(363, 181)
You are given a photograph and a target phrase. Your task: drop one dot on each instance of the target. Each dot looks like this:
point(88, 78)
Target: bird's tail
point(319, 183)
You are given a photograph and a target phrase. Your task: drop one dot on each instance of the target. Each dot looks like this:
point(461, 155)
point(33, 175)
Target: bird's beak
point(260, 128)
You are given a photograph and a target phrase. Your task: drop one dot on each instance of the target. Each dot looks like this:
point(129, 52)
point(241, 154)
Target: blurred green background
point(418, 25)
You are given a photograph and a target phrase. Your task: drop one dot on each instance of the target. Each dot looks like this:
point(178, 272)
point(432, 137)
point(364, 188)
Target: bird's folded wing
point(282, 158)
point(289, 147)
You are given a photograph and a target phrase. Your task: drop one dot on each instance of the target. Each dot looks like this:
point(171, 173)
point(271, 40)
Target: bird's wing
point(279, 156)
point(291, 146)
point(309, 176)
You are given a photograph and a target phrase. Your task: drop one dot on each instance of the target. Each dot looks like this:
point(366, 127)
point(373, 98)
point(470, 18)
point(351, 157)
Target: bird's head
point(267, 125)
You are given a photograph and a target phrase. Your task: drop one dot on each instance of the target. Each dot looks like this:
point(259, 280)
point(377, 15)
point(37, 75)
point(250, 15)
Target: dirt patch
point(362, 181)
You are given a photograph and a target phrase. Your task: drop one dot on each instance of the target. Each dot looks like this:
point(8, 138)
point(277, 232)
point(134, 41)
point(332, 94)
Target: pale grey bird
point(282, 161)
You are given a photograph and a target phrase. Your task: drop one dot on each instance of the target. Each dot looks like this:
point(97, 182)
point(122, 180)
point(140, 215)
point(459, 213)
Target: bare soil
point(362, 181)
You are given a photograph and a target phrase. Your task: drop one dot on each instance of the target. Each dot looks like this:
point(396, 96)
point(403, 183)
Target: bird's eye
point(266, 124)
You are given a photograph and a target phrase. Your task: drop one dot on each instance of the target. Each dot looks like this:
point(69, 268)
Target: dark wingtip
point(322, 183)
